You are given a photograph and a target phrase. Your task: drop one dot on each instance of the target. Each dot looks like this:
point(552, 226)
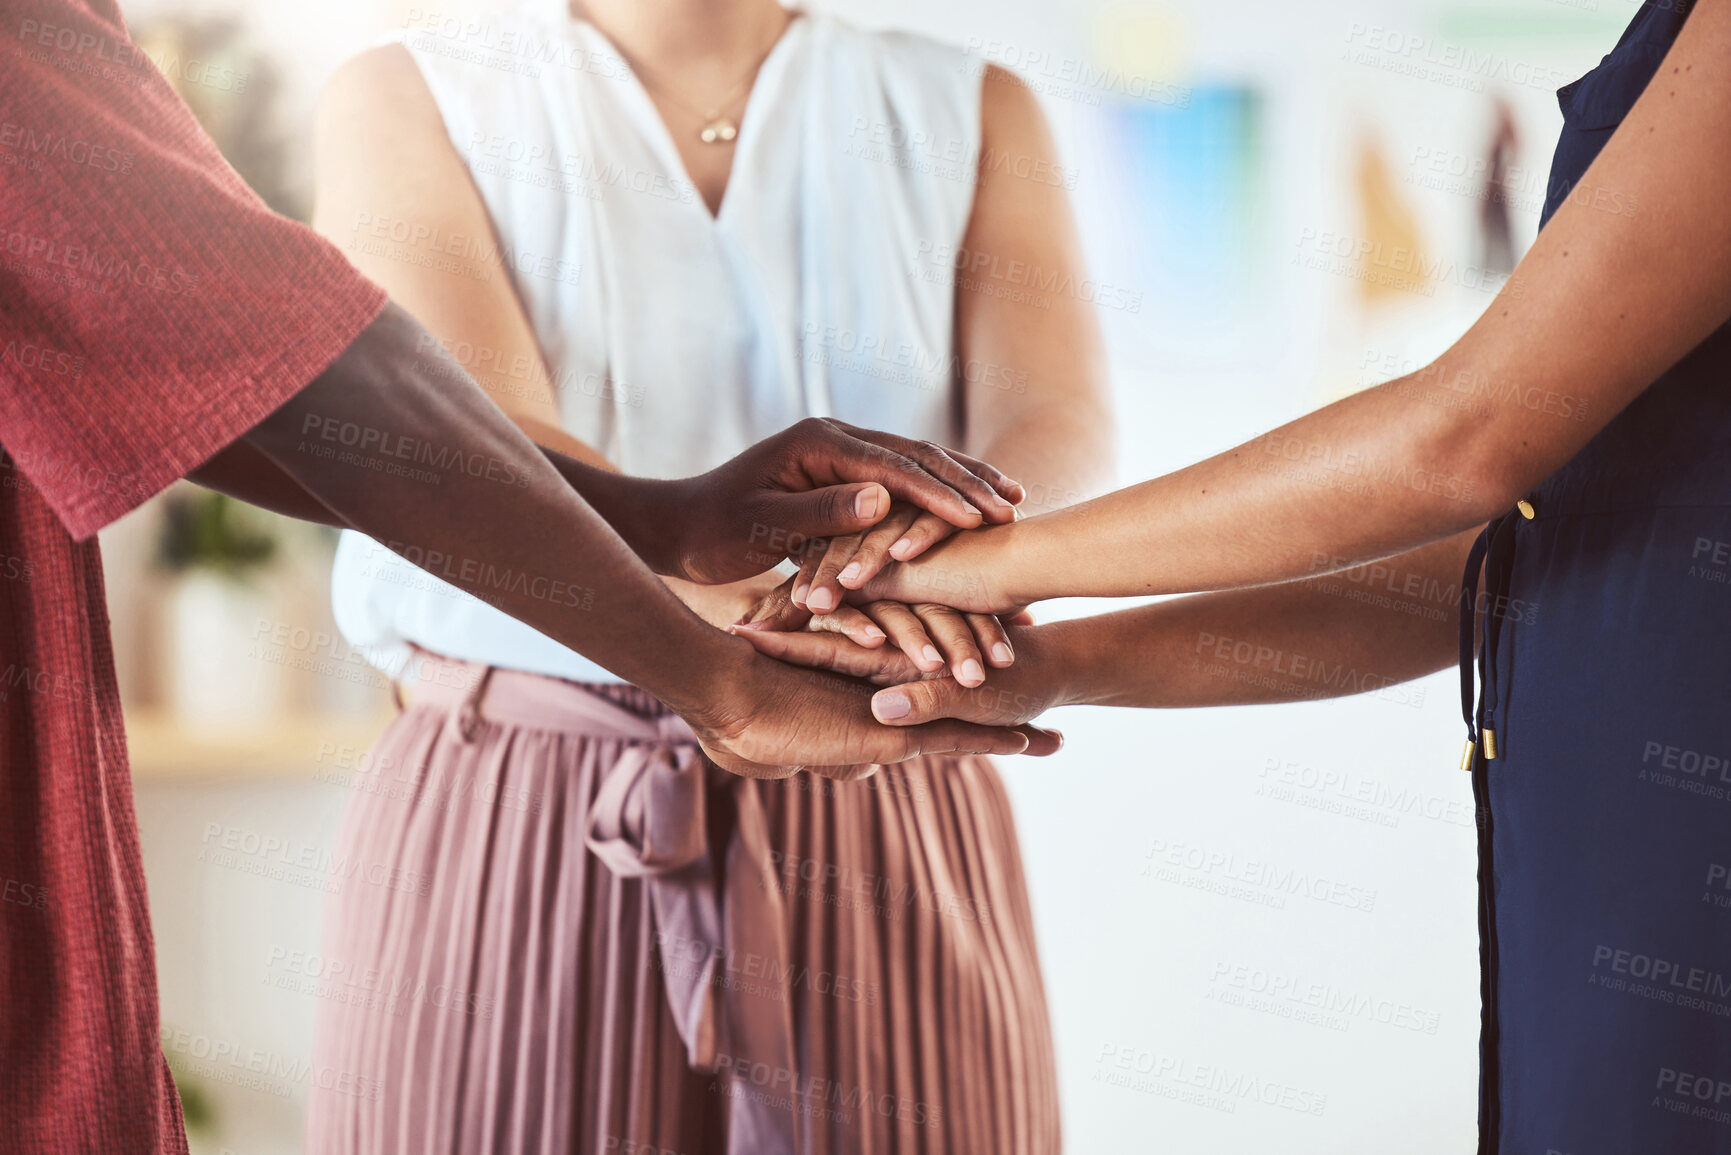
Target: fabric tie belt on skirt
point(650, 819)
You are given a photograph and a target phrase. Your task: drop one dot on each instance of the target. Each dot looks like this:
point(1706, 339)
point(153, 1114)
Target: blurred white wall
point(1358, 1016)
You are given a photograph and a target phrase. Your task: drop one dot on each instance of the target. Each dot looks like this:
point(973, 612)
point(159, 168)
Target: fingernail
point(969, 507)
point(972, 672)
point(867, 501)
point(821, 600)
point(798, 594)
point(849, 575)
point(891, 704)
point(930, 653)
point(901, 547)
point(748, 625)
point(874, 633)
point(1001, 653)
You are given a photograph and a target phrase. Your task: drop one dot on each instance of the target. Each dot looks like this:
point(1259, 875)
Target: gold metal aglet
point(1528, 512)
point(1467, 756)
point(1490, 744)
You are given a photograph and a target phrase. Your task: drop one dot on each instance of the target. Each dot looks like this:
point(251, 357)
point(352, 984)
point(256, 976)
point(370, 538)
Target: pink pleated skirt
point(556, 928)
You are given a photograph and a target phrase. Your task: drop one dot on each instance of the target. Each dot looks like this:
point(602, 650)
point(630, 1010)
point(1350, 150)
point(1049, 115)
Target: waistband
point(534, 701)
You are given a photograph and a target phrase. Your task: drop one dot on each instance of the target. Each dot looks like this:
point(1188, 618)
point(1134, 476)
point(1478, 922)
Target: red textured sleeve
point(152, 308)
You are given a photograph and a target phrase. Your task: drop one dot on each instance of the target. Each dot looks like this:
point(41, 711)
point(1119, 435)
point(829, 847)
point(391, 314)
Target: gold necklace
point(715, 128)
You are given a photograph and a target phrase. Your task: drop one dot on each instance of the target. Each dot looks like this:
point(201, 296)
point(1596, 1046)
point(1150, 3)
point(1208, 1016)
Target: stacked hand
point(846, 503)
point(908, 604)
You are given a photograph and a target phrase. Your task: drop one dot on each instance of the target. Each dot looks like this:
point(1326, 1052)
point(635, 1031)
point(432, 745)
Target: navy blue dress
point(1605, 818)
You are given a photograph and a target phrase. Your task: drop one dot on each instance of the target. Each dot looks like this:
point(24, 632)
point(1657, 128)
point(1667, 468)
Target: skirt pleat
point(496, 990)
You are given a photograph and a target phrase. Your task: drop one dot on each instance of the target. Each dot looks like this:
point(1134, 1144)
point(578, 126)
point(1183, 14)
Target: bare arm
point(1363, 630)
point(1033, 380)
point(394, 192)
point(1600, 306)
point(483, 509)
point(386, 167)
point(1032, 371)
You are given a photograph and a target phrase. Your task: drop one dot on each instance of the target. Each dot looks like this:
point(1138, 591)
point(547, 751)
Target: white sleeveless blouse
point(823, 287)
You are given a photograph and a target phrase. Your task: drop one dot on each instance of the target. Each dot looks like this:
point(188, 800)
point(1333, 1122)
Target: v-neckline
point(660, 137)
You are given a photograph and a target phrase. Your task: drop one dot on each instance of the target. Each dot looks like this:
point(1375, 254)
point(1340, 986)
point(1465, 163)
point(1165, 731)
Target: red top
point(152, 309)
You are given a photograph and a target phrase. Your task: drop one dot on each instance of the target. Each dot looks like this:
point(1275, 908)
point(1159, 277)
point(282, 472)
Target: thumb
point(830, 511)
point(915, 703)
point(1042, 741)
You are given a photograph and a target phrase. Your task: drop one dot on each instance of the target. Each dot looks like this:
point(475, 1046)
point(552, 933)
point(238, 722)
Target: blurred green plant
point(211, 531)
point(196, 1104)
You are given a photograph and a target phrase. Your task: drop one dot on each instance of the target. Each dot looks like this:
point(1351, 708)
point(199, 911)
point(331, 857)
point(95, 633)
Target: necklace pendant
point(721, 130)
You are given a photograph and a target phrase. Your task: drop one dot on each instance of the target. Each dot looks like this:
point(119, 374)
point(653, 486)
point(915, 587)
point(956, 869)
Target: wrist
point(1057, 656)
point(1018, 562)
point(656, 513)
point(713, 686)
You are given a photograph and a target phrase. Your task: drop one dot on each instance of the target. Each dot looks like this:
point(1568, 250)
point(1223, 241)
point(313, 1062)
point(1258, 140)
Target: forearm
point(243, 472)
point(1369, 477)
point(1330, 636)
point(645, 513)
point(452, 484)
point(1603, 303)
point(1062, 452)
